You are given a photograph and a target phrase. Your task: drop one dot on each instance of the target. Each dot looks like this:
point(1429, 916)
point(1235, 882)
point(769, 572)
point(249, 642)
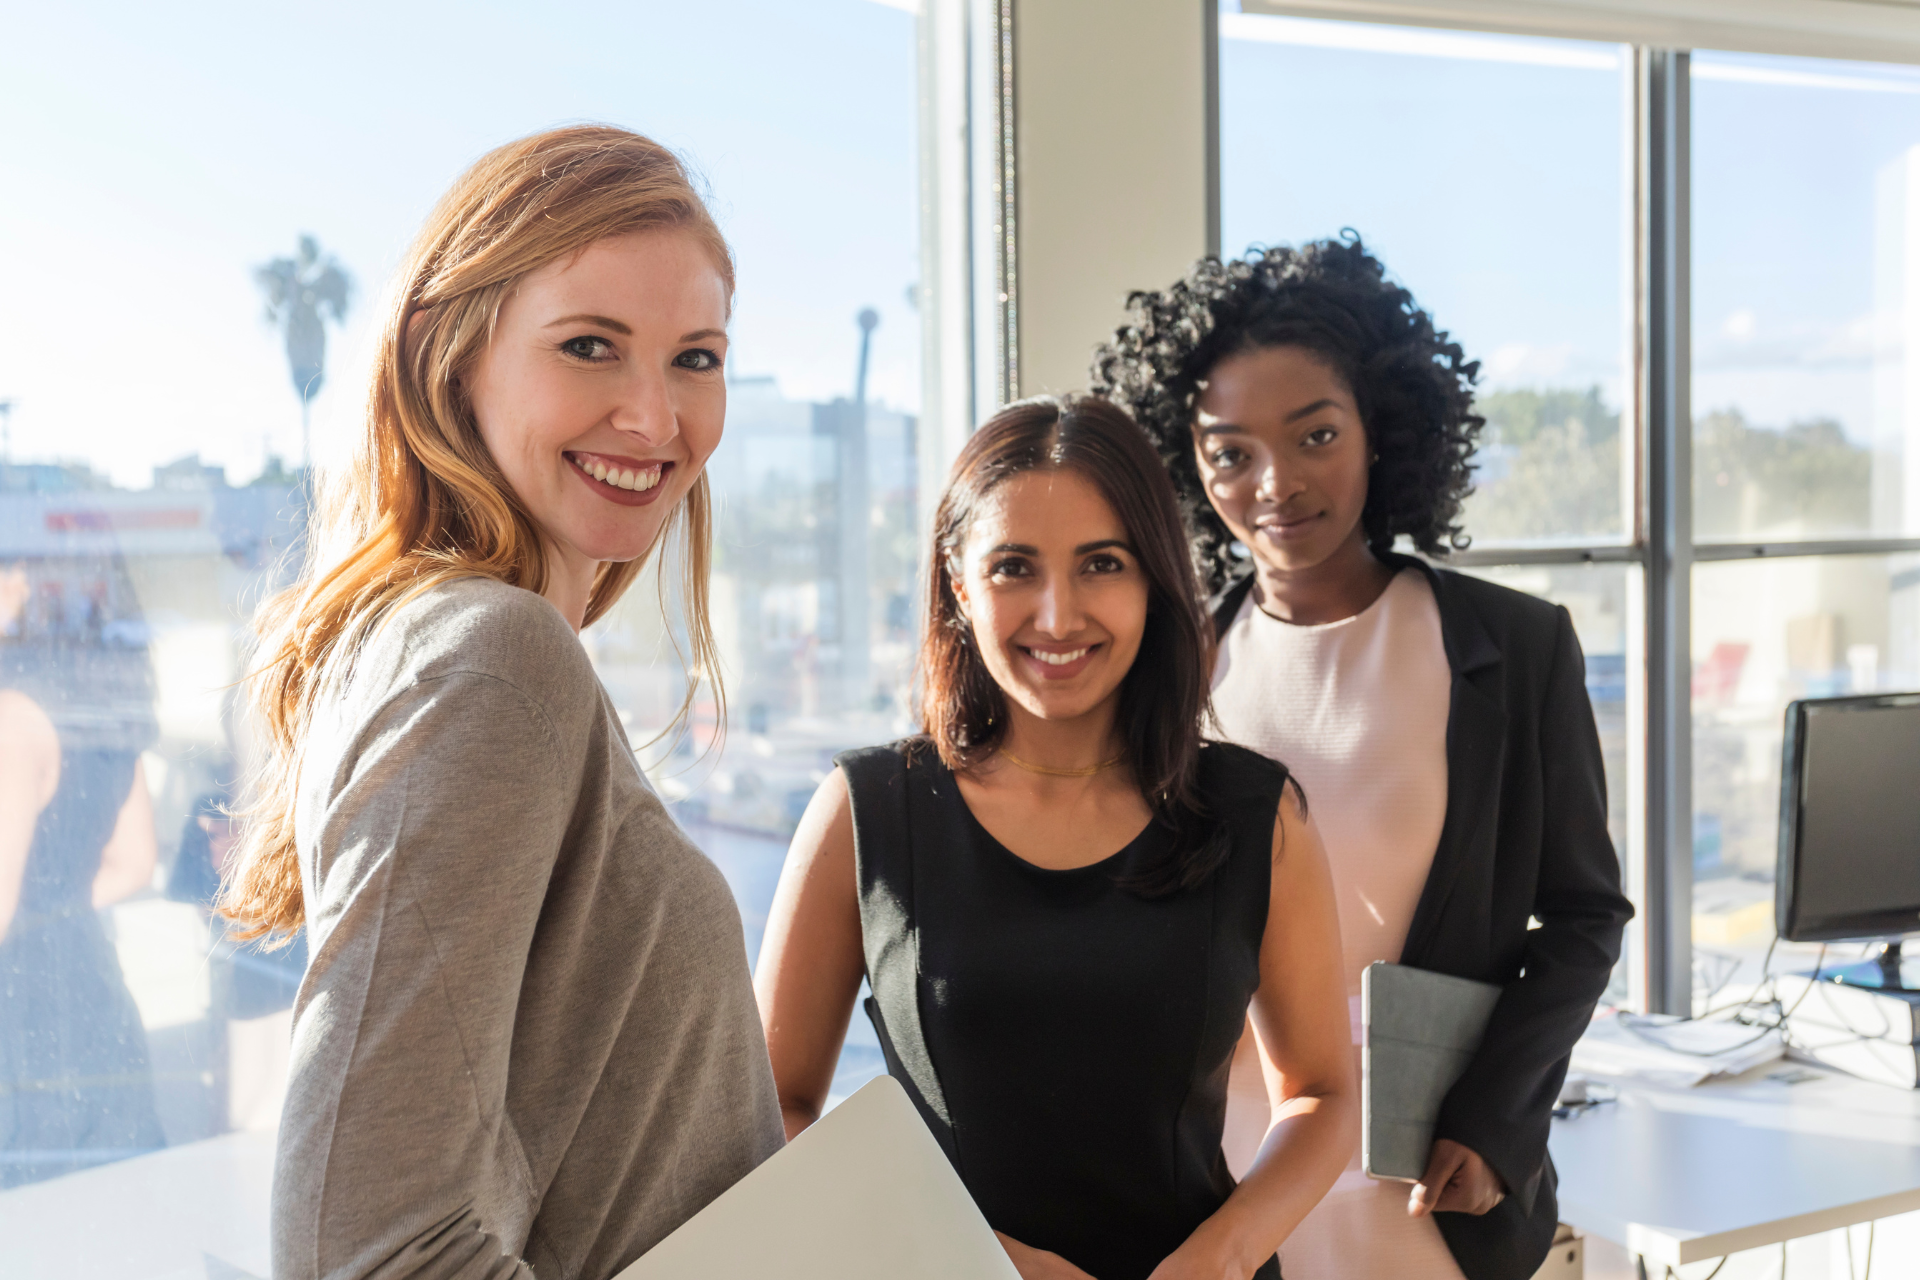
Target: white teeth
point(1058, 659)
point(619, 478)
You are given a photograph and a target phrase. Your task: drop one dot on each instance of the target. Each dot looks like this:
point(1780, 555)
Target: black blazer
point(1525, 836)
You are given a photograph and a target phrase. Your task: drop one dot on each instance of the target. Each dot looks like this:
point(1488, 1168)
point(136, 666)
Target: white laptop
point(864, 1194)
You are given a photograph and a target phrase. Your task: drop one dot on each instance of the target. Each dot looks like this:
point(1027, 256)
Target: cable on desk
point(1643, 1027)
point(1710, 1275)
point(1851, 1034)
point(1705, 960)
point(1766, 977)
point(1868, 1274)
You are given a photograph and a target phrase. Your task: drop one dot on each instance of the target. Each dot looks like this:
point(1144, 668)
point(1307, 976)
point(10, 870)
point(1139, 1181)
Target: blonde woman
point(527, 1041)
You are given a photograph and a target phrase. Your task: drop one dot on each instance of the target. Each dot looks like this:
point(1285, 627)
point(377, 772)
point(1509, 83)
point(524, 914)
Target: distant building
point(812, 591)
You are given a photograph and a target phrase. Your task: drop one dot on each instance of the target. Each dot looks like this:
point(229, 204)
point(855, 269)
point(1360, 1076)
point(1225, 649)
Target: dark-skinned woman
point(1311, 414)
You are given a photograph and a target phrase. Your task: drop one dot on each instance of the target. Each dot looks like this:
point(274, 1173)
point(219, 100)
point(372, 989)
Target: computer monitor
point(1850, 826)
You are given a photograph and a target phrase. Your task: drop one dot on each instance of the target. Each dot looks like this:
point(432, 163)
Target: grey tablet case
point(1421, 1031)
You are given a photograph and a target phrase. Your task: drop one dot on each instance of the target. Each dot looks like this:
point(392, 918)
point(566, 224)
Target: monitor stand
point(1882, 973)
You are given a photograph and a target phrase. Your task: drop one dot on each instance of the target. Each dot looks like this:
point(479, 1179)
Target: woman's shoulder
point(1232, 775)
point(25, 727)
point(1503, 609)
point(885, 765)
point(479, 626)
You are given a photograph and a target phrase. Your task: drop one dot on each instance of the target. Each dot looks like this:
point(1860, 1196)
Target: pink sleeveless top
point(1357, 709)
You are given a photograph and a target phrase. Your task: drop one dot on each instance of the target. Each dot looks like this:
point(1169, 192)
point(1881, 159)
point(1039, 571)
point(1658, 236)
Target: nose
point(646, 409)
point(1058, 614)
point(1275, 485)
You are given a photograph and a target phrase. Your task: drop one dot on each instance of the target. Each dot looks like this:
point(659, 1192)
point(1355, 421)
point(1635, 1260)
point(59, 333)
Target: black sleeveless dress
point(1066, 1040)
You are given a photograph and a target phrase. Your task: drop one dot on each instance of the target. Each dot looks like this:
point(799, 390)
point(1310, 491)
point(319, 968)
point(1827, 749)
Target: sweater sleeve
point(426, 873)
point(1502, 1106)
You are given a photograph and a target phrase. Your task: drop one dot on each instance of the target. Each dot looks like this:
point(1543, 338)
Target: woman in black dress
point(1062, 897)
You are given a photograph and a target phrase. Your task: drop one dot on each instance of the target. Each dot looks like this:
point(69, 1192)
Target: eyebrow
point(1024, 549)
point(604, 322)
point(1230, 428)
point(608, 322)
point(1315, 407)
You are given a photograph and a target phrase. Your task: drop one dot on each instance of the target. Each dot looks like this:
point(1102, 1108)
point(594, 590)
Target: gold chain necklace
point(1060, 773)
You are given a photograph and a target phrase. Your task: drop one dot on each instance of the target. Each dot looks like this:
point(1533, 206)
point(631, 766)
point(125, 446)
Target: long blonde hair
point(423, 501)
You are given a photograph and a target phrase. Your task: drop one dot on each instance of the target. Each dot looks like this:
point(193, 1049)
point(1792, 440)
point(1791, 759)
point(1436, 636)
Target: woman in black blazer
point(1310, 414)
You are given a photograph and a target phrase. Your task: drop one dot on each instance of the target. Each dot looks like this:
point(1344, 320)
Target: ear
point(959, 585)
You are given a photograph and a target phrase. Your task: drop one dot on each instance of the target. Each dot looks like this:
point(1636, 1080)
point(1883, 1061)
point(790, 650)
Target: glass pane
point(151, 489)
point(1503, 212)
point(1806, 245)
point(1598, 597)
point(1764, 633)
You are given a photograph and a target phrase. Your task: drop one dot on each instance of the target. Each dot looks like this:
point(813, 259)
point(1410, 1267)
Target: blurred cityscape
point(1766, 631)
point(812, 603)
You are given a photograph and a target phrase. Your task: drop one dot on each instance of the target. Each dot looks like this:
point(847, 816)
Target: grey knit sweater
point(528, 1040)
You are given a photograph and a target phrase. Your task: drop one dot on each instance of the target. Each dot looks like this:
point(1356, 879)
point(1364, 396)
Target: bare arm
point(29, 775)
point(1300, 1013)
point(811, 961)
point(126, 861)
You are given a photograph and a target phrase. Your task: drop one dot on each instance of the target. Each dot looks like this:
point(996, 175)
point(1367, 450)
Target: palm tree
point(299, 290)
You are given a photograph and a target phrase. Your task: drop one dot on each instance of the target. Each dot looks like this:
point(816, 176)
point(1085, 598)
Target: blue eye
point(587, 347)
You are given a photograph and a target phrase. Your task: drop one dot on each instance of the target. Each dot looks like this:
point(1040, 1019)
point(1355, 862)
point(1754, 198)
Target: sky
point(1489, 173)
point(1471, 166)
point(152, 156)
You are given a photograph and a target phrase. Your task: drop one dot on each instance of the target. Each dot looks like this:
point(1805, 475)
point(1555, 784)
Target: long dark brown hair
point(1164, 696)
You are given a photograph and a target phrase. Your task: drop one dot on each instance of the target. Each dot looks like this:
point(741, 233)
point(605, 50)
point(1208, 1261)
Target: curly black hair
point(1412, 385)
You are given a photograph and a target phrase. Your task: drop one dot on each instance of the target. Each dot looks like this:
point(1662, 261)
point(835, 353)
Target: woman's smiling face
point(602, 394)
point(1283, 455)
point(1054, 592)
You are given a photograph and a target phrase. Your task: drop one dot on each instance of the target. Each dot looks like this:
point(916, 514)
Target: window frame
point(1658, 860)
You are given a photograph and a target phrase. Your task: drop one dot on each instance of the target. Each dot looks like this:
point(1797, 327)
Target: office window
point(1764, 633)
point(1806, 236)
point(175, 179)
point(1487, 173)
point(1806, 320)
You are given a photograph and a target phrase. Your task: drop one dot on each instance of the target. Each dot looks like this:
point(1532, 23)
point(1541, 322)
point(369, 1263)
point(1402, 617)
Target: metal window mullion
point(1722, 551)
point(1006, 239)
point(1497, 556)
point(1668, 528)
point(1210, 35)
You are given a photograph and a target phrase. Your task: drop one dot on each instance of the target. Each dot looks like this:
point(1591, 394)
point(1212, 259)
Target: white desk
point(1679, 1175)
point(195, 1212)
